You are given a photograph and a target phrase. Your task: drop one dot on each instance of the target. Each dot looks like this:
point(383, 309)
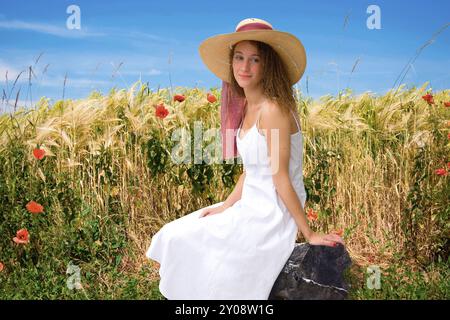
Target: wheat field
point(100, 175)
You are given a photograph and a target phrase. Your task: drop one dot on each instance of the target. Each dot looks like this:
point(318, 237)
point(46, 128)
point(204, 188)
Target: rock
point(313, 273)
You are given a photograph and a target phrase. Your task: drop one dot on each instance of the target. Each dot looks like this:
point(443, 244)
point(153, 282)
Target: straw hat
point(215, 50)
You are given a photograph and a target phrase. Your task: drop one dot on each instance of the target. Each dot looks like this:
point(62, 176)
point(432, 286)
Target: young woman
point(236, 249)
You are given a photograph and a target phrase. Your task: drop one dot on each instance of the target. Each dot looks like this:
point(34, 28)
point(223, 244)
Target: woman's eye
point(254, 60)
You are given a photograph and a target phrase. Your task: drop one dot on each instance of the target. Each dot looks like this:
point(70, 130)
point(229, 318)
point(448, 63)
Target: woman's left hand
point(330, 240)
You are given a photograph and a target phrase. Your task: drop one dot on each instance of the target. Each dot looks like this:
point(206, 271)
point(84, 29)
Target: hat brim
point(215, 50)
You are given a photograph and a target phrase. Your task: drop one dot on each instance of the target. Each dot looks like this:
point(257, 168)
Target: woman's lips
point(242, 76)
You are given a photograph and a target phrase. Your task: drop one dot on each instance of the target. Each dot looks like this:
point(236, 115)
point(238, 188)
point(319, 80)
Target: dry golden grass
point(372, 175)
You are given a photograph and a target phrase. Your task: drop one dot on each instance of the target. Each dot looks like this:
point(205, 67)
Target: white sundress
point(238, 253)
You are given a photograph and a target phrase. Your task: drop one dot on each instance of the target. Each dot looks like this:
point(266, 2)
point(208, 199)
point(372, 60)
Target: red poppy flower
point(448, 165)
point(22, 237)
point(448, 135)
point(34, 207)
point(312, 215)
point(211, 98)
point(38, 153)
point(447, 104)
point(441, 172)
point(1, 267)
point(339, 232)
point(161, 111)
point(179, 98)
point(428, 98)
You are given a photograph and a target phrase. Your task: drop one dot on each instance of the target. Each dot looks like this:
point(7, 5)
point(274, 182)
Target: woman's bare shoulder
point(272, 116)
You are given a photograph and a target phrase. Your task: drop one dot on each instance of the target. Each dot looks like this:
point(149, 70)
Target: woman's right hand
point(212, 211)
point(330, 240)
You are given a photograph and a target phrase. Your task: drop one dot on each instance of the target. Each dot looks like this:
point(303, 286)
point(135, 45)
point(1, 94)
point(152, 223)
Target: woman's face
point(247, 67)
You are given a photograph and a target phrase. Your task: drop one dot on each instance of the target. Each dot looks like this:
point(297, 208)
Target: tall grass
point(108, 183)
point(376, 149)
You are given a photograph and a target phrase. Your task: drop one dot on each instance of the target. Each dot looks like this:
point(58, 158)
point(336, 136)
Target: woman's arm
point(278, 136)
point(232, 198)
point(287, 193)
point(237, 192)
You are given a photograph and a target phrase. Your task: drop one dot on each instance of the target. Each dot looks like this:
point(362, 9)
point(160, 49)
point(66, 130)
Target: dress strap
point(243, 114)
point(257, 120)
point(240, 125)
point(295, 118)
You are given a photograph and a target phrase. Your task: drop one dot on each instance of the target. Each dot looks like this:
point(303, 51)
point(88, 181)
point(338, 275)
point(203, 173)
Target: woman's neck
point(255, 98)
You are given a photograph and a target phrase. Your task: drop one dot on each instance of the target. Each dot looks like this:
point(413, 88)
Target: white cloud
point(63, 31)
point(47, 81)
point(9, 107)
point(151, 72)
point(48, 29)
point(12, 72)
point(144, 36)
point(73, 82)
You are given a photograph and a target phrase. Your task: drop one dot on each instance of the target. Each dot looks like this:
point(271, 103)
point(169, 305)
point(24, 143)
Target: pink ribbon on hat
point(254, 26)
point(231, 113)
point(232, 106)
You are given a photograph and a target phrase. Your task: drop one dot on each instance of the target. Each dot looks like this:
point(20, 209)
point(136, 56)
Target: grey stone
point(313, 273)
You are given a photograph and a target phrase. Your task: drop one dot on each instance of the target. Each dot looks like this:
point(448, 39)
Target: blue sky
point(121, 42)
